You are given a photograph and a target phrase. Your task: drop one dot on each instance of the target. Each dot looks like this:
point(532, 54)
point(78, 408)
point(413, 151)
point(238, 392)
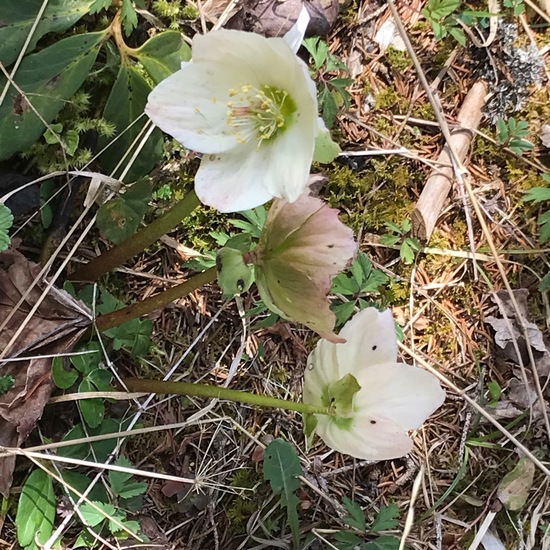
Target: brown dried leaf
point(54, 328)
point(274, 18)
point(508, 331)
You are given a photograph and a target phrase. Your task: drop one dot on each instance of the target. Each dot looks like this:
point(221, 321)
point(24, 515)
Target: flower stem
point(216, 392)
point(116, 318)
point(145, 237)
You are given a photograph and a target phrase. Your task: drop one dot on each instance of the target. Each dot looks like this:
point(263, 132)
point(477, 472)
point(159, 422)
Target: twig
point(439, 183)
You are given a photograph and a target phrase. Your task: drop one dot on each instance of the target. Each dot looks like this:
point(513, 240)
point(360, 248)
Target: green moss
point(398, 60)
point(243, 506)
point(390, 99)
point(423, 110)
point(375, 195)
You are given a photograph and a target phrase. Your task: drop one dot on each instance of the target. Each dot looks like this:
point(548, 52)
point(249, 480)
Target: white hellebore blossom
point(249, 105)
point(376, 399)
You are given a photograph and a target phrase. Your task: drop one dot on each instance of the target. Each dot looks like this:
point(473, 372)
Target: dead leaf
point(55, 328)
point(514, 488)
point(503, 409)
point(274, 18)
point(545, 135)
point(509, 330)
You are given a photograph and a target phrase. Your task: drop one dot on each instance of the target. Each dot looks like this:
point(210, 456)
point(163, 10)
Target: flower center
point(260, 114)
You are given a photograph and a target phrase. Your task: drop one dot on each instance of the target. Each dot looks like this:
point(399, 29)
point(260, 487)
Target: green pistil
point(260, 114)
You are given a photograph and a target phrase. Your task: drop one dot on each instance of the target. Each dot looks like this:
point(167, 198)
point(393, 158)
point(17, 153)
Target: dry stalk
point(439, 183)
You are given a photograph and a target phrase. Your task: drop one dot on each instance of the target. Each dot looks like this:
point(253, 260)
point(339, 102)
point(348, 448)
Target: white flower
point(393, 397)
point(248, 103)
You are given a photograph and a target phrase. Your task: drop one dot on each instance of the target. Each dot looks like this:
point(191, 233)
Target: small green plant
point(386, 519)
point(282, 469)
point(516, 5)
point(333, 92)
point(512, 134)
point(443, 19)
point(409, 245)
point(495, 393)
point(87, 370)
point(537, 195)
point(6, 383)
point(360, 280)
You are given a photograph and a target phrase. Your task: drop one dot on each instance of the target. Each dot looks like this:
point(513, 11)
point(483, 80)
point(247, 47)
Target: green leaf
point(545, 283)
point(385, 542)
point(120, 481)
point(94, 517)
point(49, 78)
point(329, 107)
point(502, 131)
point(458, 34)
point(387, 518)
point(102, 449)
point(544, 222)
point(6, 383)
point(18, 18)
point(36, 509)
point(349, 540)
point(101, 379)
point(128, 16)
point(100, 5)
point(439, 9)
point(494, 390)
point(93, 410)
point(537, 194)
point(356, 517)
point(134, 335)
point(343, 311)
point(117, 220)
point(162, 54)
point(318, 50)
point(6, 221)
point(282, 468)
point(63, 377)
point(79, 482)
point(126, 103)
point(87, 362)
point(408, 248)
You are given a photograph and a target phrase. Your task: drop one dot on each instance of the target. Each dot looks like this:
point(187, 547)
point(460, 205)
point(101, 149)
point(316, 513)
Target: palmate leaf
point(18, 18)
point(125, 105)
point(48, 78)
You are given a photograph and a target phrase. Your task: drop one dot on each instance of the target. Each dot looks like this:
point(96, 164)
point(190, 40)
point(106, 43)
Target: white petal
point(368, 438)
point(234, 181)
point(370, 340)
point(297, 32)
point(403, 394)
point(291, 156)
point(321, 370)
point(191, 105)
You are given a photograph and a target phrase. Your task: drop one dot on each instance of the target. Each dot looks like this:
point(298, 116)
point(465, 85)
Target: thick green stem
point(116, 318)
point(215, 392)
point(116, 256)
